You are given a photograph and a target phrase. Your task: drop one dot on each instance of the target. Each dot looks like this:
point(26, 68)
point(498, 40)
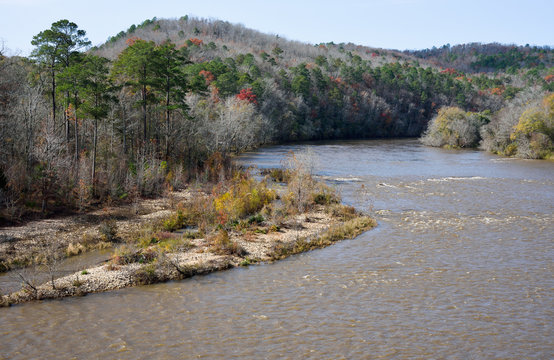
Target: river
point(460, 267)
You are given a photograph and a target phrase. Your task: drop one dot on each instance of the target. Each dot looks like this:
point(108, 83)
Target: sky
point(391, 24)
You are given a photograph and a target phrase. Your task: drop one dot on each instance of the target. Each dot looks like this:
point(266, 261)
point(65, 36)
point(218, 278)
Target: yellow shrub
point(532, 120)
point(244, 197)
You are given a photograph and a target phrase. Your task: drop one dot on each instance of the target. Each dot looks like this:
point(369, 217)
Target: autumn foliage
point(132, 40)
point(450, 71)
point(248, 95)
point(208, 76)
point(196, 41)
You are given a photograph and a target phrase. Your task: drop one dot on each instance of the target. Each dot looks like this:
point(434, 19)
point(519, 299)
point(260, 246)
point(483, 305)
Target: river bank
point(315, 229)
point(238, 222)
point(25, 245)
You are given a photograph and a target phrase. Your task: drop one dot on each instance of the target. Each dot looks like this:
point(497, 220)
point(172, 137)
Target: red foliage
point(130, 41)
point(549, 78)
point(497, 91)
point(355, 106)
point(450, 71)
point(196, 41)
point(387, 117)
point(374, 55)
point(70, 112)
point(248, 95)
point(208, 76)
point(336, 80)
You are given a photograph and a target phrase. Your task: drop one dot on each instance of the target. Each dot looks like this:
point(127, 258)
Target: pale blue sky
point(393, 24)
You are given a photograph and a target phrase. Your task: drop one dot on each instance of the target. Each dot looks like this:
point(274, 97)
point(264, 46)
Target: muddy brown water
point(460, 267)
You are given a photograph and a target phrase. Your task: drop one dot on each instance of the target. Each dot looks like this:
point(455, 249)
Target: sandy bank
point(317, 228)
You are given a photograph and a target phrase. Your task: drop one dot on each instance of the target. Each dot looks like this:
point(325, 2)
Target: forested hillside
point(476, 57)
point(167, 101)
point(523, 76)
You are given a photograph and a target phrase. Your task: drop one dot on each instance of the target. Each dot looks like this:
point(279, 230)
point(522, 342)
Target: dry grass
point(344, 230)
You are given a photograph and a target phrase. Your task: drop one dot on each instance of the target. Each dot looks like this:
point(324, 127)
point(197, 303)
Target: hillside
point(312, 91)
point(476, 57)
point(167, 101)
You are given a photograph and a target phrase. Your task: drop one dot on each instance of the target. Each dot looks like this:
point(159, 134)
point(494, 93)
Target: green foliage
point(277, 51)
point(175, 222)
point(56, 46)
point(146, 275)
point(256, 219)
point(126, 254)
point(244, 197)
point(324, 195)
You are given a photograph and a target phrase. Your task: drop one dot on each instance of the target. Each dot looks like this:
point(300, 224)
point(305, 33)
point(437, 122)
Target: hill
point(476, 57)
point(167, 101)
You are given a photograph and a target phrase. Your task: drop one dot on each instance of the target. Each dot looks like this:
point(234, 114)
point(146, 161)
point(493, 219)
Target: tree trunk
point(67, 121)
point(76, 135)
point(53, 93)
point(167, 122)
point(145, 137)
point(124, 132)
point(94, 157)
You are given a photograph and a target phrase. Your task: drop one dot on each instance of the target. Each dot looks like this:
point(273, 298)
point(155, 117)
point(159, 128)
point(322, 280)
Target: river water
point(460, 267)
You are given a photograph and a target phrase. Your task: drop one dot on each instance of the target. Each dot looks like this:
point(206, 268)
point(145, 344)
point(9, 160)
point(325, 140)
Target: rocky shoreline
point(317, 228)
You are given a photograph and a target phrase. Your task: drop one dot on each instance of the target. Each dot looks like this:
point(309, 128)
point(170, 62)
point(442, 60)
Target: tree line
point(167, 101)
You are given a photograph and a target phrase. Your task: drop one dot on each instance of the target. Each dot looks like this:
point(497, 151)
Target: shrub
point(324, 195)
point(77, 282)
point(534, 133)
point(301, 184)
point(74, 249)
point(277, 174)
point(126, 254)
point(244, 197)
point(221, 244)
point(342, 212)
point(454, 128)
point(146, 275)
point(174, 222)
point(256, 219)
point(108, 230)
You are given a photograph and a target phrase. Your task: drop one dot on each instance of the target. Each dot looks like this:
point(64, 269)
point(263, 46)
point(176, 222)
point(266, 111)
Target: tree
point(97, 95)
point(455, 128)
point(170, 83)
point(137, 66)
point(54, 51)
point(71, 81)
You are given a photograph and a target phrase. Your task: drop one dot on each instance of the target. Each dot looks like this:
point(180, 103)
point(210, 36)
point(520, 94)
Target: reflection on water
point(11, 281)
point(459, 267)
